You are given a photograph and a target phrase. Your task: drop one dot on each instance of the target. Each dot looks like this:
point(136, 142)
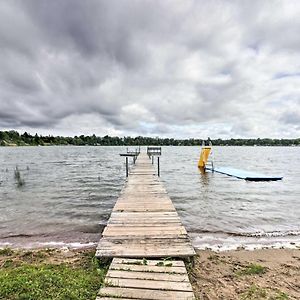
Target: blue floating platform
point(247, 175)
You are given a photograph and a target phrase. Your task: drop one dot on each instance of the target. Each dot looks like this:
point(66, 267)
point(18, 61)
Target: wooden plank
point(144, 207)
point(148, 223)
point(151, 262)
point(143, 193)
point(155, 242)
point(170, 250)
point(141, 201)
point(145, 203)
point(141, 230)
point(112, 298)
point(139, 209)
point(127, 206)
point(148, 275)
point(143, 221)
point(149, 284)
point(144, 196)
point(145, 216)
point(134, 189)
point(141, 214)
point(141, 237)
point(145, 294)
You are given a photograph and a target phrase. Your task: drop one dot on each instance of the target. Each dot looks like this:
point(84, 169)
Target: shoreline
point(249, 244)
point(234, 274)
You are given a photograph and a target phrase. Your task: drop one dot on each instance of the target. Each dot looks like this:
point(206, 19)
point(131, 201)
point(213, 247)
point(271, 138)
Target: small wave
point(243, 246)
point(21, 235)
point(230, 242)
point(250, 234)
point(50, 244)
point(273, 233)
point(74, 245)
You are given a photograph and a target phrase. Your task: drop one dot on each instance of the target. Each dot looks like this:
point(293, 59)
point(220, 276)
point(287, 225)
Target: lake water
point(69, 193)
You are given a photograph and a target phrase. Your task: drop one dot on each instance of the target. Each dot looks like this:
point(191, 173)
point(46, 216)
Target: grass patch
point(252, 269)
point(281, 296)
point(253, 293)
point(168, 264)
point(6, 252)
point(23, 276)
point(165, 263)
point(213, 257)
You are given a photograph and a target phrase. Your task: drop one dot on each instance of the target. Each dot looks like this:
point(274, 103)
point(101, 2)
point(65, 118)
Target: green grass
point(21, 279)
point(281, 296)
point(6, 252)
point(252, 269)
point(254, 292)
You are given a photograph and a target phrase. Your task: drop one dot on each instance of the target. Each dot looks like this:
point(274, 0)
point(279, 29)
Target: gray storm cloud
point(171, 68)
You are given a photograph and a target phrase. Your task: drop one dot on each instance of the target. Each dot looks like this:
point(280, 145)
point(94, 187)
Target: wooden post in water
point(129, 154)
point(158, 167)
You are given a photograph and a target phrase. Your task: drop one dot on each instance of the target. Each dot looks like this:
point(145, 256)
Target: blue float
point(241, 174)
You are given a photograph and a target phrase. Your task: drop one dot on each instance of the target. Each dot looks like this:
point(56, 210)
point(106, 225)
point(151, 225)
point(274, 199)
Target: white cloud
point(170, 68)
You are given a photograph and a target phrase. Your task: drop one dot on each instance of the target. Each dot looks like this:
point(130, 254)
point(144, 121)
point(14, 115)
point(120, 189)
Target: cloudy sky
point(154, 68)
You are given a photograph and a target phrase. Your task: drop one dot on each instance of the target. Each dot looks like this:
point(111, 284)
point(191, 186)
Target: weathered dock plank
point(134, 293)
point(152, 262)
point(145, 247)
point(148, 276)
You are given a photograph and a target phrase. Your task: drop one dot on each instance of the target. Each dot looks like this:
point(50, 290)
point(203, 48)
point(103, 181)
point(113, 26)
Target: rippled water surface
point(69, 193)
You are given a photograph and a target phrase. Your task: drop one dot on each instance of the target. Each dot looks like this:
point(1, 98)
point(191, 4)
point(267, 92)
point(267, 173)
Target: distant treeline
point(13, 138)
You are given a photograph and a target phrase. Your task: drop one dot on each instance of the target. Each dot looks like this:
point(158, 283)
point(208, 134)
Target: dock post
point(158, 167)
point(126, 166)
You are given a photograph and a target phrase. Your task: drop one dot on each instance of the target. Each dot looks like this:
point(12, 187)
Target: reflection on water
point(204, 178)
point(69, 193)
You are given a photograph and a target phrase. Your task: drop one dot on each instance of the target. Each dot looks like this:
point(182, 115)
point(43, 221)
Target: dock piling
point(158, 167)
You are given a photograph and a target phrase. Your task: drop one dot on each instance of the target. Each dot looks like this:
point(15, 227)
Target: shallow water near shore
point(69, 193)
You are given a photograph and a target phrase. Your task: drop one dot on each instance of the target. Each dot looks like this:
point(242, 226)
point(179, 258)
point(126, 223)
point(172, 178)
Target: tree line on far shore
point(13, 138)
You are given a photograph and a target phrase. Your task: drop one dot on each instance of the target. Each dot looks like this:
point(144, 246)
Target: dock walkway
point(144, 225)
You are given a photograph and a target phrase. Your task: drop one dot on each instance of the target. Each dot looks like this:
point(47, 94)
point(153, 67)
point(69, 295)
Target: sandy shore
point(241, 274)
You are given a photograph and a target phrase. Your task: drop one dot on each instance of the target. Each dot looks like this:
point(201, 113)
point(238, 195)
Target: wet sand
point(241, 274)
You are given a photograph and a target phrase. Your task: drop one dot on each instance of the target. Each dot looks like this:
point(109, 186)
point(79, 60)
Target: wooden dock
point(144, 224)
